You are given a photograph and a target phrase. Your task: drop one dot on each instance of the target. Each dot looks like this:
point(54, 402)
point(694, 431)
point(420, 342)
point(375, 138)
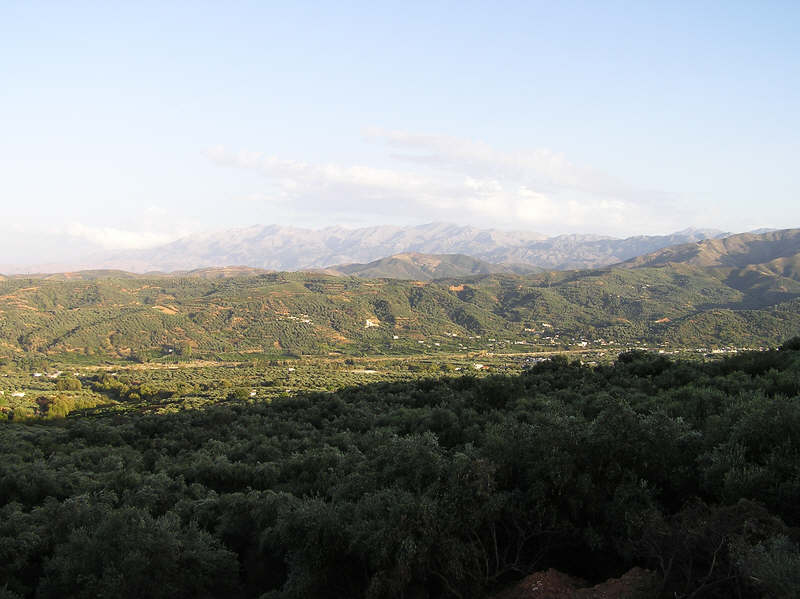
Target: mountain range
point(743, 290)
point(281, 248)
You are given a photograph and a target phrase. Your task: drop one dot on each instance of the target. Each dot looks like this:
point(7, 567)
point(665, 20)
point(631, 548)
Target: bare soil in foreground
point(552, 584)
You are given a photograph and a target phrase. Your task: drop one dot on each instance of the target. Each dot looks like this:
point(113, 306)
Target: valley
point(479, 425)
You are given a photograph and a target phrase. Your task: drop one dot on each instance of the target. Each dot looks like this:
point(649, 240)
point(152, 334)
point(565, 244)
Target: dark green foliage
point(792, 344)
point(125, 552)
point(68, 383)
point(445, 487)
point(772, 565)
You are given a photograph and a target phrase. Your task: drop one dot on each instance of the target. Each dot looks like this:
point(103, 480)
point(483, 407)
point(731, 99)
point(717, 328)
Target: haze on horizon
point(129, 125)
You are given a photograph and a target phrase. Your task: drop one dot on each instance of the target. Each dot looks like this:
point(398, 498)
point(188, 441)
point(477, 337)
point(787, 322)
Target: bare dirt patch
point(552, 584)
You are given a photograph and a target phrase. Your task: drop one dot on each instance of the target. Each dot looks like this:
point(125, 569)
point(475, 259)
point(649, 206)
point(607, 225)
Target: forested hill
point(426, 267)
point(776, 251)
point(437, 489)
point(675, 305)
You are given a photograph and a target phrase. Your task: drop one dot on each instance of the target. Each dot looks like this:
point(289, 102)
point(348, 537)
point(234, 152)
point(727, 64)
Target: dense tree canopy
point(448, 487)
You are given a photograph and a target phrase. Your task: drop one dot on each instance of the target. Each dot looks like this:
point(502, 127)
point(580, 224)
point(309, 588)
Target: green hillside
point(144, 317)
point(425, 267)
point(735, 251)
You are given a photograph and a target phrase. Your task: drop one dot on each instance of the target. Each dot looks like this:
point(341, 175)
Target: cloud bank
point(118, 239)
point(458, 180)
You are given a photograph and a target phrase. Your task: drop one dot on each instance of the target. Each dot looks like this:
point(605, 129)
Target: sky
point(129, 124)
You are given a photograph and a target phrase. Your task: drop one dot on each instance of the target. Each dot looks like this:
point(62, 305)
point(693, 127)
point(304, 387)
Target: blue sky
point(124, 124)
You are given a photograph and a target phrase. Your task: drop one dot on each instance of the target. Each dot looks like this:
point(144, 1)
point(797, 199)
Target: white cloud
point(459, 181)
point(541, 166)
point(118, 239)
point(294, 175)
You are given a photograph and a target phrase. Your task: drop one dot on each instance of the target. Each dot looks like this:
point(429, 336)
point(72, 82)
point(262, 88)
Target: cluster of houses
point(52, 375)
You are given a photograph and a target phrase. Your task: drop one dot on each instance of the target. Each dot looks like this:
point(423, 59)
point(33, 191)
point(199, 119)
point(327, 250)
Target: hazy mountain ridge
point(575, 252)
point(275, 247)
point(221, 272)
point(290, 248)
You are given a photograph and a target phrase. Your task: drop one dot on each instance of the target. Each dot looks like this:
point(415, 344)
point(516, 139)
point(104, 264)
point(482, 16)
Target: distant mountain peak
point(279, 247)
point(701, 232)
